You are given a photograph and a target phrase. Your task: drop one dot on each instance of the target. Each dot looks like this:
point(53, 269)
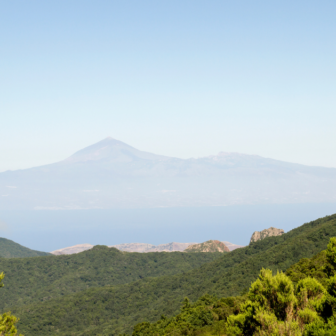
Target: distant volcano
point(112, 174)
point(112, 150)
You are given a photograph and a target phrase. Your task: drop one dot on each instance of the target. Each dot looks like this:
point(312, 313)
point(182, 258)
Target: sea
point(49, 230)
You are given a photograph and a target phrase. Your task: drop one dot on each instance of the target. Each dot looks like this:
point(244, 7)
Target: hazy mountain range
point(112, 174)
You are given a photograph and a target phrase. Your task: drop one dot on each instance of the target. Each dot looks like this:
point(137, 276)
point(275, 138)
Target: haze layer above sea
point(47, 230)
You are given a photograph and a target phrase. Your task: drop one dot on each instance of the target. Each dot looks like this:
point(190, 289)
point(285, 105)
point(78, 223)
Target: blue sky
point(178, 78)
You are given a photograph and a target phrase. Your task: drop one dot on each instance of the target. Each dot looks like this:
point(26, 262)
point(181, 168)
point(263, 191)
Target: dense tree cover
point(296, 304)
point(7, 321)
point(111, 310)
point(10, 249)
point(40, 279)
point(207, 314)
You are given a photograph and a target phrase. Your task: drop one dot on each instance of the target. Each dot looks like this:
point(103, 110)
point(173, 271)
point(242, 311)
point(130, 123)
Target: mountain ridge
point(123, 306)
point(112, 174)
point(110, 148)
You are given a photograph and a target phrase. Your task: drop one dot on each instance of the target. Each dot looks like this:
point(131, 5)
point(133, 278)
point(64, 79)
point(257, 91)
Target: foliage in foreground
point(112, 310)
point(296, 304)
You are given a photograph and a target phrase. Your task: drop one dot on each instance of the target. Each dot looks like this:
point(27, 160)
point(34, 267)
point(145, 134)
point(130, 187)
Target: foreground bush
point(299, 303)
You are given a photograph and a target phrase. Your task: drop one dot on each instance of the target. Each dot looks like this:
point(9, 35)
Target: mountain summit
point(112, 150)
point(271, 232)
point(112, 174)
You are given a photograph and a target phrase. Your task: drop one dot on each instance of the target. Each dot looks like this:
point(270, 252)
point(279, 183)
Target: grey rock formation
point(259, 235)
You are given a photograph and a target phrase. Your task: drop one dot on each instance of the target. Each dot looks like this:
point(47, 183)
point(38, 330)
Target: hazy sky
point(179, 78)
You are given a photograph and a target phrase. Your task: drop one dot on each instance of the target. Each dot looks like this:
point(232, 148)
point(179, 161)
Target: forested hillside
point(40, 279)
point(10, 249)
point(301, 302)
point(111, 310)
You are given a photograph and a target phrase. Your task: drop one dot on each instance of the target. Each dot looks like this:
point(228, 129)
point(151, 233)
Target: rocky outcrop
point(271, 232)
point(73, 249)
point(208, 246)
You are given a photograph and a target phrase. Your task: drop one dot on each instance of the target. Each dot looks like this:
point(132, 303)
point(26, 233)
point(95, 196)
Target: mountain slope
point(10, 249)
point(120, 307)
point(112, 150)
point(191, 318)
point(40, 279)
point(112, 174)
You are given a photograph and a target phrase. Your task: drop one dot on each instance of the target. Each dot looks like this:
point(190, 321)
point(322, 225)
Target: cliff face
point(208, 246)
point(259, 235)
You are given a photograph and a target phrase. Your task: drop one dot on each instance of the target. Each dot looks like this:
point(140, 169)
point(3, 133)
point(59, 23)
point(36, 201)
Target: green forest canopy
point(10, 249)
point(39, 279)
point(301, 302)
point(114, 309)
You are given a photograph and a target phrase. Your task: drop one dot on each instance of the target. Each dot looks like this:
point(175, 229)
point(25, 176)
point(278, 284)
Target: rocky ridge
point(208, 246)
point(271, 232)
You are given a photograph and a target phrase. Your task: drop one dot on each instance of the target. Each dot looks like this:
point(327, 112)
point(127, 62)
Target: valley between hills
point(106, 291)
